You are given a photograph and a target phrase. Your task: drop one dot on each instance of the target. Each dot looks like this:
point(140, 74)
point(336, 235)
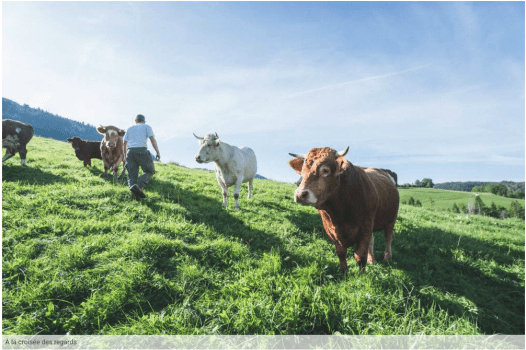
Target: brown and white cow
point(112, 149)
point(353, 201)
point(15, 136)
point(85, 150)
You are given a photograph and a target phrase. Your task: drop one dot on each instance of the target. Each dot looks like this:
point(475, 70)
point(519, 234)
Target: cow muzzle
point(198, 159)
point(305, 197)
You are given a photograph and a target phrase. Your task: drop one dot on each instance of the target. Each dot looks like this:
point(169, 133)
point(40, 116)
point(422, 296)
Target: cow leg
point(106, 167)
point(341, 251)
point(23, 154)
point(237, 189)
point(250, 185)
point(370, 252)
point(115, 168)
point(223, 188)
point(7, 156)
point(388, 233)
point(225, 196)
point(361, 252)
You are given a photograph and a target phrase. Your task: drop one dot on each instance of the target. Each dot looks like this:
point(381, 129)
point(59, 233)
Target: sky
point(426, 89)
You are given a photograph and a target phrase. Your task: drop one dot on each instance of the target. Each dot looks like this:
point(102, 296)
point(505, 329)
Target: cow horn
point(197, 137)
point(297, 155)
point(344, 152)
point(216, 135)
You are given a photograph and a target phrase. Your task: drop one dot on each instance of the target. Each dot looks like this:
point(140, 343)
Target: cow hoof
point(238, 208)
point(387, 256)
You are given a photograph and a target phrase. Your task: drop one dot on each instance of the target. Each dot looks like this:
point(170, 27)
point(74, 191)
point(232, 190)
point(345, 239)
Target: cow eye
point(325, 171)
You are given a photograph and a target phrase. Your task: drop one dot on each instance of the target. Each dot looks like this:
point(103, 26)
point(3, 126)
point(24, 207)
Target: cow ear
point(296, 164)
point(101, 130)
point(70, 140)
point(122, 132)
point(217, 143)
point(343, 165)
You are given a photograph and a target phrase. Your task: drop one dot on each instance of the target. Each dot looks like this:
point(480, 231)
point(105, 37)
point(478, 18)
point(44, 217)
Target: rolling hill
point(80, 257)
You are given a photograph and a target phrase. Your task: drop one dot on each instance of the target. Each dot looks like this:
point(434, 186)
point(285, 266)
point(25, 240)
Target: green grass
point(80, 257)
point(444, 199)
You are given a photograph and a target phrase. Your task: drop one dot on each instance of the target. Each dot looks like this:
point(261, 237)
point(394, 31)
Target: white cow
point(233, 165)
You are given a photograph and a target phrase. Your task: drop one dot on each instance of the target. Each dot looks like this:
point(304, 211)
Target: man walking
point(137, 155)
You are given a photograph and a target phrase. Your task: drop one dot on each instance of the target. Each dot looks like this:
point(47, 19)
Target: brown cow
point(353, 201)
point(85, 150)
point(112, 149)
point(15, 136)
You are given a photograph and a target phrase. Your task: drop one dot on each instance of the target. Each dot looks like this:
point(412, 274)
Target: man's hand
point(158, 157)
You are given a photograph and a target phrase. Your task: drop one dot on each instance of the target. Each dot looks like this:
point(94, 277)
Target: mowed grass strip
point(79, 256)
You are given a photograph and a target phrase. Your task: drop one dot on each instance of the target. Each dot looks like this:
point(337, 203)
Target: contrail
point(356, 81)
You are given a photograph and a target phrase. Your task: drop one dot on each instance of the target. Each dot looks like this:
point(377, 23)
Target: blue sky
point(426, 89)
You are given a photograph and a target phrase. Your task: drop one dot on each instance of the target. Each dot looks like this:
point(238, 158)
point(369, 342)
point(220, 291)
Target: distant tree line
point(426, 183)
point(49, 125)
point(499, 190)
point(477, 207)
point(469, 185)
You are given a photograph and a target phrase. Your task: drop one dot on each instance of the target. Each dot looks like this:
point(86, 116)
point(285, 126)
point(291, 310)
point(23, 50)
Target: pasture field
point(443, 199)
point(79, 256)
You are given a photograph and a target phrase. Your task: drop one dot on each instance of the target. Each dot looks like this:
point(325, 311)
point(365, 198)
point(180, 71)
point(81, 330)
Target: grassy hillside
point(80, 257)
point(444, 199)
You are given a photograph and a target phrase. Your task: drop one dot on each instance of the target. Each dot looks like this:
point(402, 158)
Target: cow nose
point(303, 195)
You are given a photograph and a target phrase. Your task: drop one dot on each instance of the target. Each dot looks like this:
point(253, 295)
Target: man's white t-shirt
point(137, 135)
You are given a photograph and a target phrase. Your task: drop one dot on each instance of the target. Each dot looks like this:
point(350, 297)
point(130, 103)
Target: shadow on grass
point(458, 265)
point(99, 171)
point(202, 210)
point(29, 174)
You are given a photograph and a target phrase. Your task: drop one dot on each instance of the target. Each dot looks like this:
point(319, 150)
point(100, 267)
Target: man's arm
point(154, 144)
point(125, 148)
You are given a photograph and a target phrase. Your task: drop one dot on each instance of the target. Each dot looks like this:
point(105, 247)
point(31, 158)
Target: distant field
point(444, 199)
point(80, 257)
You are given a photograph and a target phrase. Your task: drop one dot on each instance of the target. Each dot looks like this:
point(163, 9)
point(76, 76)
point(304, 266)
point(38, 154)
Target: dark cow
point(353, 201)
point(85, 150)
point(392, 174)
point(112, 149)
point(15, 136)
